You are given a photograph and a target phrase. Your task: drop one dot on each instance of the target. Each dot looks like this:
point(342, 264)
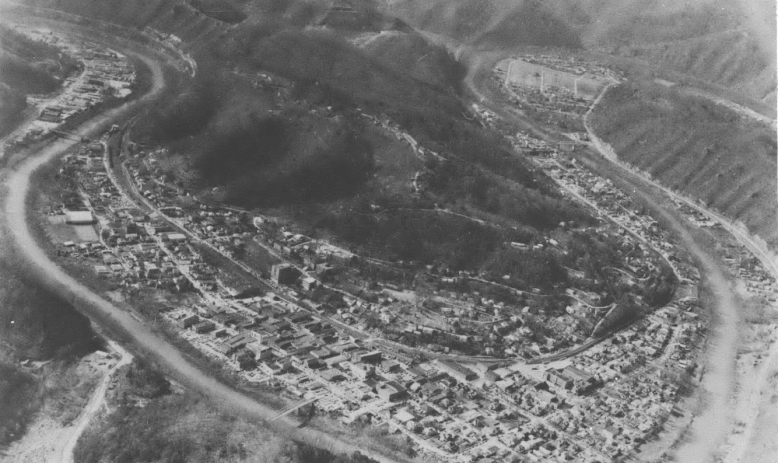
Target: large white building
point(79, 218)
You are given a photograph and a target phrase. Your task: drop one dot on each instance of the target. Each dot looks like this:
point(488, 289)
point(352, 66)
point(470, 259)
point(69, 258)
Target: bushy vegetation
point(425, 237)
point(507, 189)
point(219, 9)
point(174, 429)
point(708, 39)
point(411, 52)
point(19, 74)
point(323, 56)
point(530, 24)
point(230, 140)
point(30, 66)
point(37, 322)
point(334, 172)
point(145, 381)
point(18, 396)
point(12, 104)
point(305, 453)
point(495, 24)
point(263, 147)
point(537, 268)
point(26, 67)
point(185, 428)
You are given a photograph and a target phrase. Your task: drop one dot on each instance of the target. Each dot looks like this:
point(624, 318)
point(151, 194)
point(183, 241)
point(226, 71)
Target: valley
point(379, 247)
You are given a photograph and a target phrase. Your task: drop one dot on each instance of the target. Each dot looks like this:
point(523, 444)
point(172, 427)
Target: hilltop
point(305, 110)
point(654, 121)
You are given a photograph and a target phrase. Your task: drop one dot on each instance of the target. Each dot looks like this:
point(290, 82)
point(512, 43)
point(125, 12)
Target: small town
point(393, 232)
point(105, 74)
point(594, 401)
point(275, 307)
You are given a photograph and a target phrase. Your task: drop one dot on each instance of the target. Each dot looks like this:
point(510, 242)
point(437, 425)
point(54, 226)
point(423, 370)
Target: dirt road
point(94, 405)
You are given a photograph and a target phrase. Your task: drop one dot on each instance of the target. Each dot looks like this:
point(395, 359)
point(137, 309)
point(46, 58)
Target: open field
point(536, 76)
point(62, 232)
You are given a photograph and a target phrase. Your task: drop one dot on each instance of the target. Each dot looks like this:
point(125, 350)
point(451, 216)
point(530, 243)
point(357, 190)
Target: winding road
point(709, 429)
point(124, 327)
point(712, 426)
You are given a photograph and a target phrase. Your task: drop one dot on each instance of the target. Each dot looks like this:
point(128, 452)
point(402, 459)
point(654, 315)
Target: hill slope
point(726, 161)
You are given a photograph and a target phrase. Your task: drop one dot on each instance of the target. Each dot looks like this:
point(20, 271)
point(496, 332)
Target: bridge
point(293, 408)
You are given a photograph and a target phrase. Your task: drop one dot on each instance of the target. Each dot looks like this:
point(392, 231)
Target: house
point(361, 372)
point(245, 360)
point(583, 382)
point(332, 375)
point(559, 379)
point(309, 283)
point(371, 357)
point(158, 226)
point(688, 292)
point(491, 377)
point(610, 432)
point(390, 366)
point(116, 228)
point(323, 353)
point(261, 351)
point(103, 270)
point(151, 270)
point(186, 322)
point(233, 344)
point(51, 114)
point(333, 361)
point(204, 327)
point(173, 237)
point(280, 366)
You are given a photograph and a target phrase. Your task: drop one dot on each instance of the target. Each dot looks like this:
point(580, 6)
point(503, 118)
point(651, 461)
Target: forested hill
point(278, 117)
